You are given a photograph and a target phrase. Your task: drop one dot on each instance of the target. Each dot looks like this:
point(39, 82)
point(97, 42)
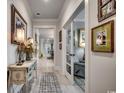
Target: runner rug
point(49, 83)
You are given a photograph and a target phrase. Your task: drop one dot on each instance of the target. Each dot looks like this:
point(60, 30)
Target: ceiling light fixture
point(38, 14)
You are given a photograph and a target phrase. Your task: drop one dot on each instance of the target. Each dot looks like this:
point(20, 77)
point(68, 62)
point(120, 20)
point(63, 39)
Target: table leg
point(26, 87)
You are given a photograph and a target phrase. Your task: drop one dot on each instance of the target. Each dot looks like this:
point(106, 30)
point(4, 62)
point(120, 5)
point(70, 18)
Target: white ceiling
point(48, 10)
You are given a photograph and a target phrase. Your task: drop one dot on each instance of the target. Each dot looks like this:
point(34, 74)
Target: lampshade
point(20, 34)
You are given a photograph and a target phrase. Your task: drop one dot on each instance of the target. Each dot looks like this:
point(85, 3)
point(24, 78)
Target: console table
point(22, 75)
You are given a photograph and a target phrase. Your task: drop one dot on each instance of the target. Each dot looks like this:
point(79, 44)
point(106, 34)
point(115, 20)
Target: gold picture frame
point(106, 8)
point(81, 37)
point(103, 37)
point(17, 22)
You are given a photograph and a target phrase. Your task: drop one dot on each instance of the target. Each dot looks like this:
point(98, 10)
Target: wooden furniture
point(22, 75)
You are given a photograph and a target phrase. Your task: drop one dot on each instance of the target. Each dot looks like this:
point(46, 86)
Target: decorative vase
point(28, 56)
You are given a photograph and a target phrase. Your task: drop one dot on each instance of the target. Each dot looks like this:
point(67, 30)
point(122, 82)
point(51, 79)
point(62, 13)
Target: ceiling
point(48, 9)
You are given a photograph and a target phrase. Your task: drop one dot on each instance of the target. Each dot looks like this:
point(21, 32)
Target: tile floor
point(45, 65)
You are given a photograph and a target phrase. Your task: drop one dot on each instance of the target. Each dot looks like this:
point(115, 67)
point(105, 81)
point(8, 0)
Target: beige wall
point(23, 8)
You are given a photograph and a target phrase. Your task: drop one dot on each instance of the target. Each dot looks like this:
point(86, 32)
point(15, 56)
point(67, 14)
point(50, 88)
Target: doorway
point(75, 48)
point(45, 44)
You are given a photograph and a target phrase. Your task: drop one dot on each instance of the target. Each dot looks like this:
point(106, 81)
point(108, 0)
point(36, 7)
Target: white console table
point(22, 75)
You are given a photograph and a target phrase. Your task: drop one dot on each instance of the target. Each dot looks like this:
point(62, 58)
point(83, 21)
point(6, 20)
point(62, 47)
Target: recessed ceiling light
point(38, 14)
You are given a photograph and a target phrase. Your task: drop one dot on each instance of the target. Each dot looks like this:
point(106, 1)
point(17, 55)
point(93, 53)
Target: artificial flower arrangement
point(29, 49)
point(25, 49)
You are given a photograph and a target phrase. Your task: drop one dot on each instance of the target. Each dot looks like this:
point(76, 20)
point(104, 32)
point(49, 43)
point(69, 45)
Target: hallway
point(46, 66)
point(71, 33)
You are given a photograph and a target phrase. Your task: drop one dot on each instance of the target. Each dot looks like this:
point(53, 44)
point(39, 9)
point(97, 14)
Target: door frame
point(36, 29)
point(87, 45)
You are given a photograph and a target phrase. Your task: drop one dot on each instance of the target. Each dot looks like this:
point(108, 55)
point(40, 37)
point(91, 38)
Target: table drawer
point(18, 76)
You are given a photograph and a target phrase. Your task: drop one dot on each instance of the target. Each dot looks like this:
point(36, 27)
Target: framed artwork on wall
point(106, 8)
point(60, 46)
point(18, 26)
point(60, 36)
point(103, 37)
point(81, 36)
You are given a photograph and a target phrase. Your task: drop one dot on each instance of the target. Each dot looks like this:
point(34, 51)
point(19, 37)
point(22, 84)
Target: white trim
point(87, 48)
point(46, 20)
point(69, 77)
point(64, 50)
point(45, 26)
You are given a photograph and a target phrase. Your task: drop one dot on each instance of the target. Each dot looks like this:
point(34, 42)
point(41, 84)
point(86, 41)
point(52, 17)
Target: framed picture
point(60, 36)
point(17, 24)
point(81, 37)
point(106, 8)
point(60, 46)
point(103, 37)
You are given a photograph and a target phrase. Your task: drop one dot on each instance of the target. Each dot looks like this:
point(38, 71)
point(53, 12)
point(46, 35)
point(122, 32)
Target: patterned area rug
point(49, 83)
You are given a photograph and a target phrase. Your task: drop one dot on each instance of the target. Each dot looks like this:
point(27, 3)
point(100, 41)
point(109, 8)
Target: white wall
point(22, 7)
point(57, 51)
point(102, 65)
